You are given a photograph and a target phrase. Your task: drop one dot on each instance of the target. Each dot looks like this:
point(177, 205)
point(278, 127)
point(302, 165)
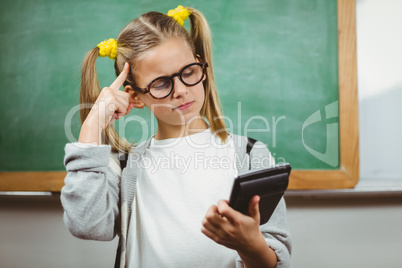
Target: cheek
point(160, 109)
point(201, 93)
point(155, 105)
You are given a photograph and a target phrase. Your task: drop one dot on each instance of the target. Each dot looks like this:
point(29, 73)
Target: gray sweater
point(97, 197)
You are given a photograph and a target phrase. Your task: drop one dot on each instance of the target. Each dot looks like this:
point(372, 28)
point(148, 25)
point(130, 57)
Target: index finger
point(121, 78)
point(225, 210)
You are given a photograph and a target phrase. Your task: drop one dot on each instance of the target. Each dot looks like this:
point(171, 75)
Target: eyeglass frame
point(147, 89)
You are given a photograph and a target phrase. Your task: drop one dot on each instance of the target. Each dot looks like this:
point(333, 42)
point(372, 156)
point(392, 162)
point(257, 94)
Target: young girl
point(167, 205)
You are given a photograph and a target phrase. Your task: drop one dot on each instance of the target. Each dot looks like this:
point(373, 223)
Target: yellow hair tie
point(180, 14)
point(108, 48)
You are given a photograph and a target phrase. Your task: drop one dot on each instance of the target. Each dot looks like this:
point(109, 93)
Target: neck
point(166, 131)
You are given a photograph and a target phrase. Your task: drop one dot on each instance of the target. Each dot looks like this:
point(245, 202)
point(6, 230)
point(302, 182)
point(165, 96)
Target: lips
point(184, 106)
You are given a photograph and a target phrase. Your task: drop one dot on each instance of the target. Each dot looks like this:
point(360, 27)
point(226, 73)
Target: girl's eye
point(187, 73)
point(161, 84)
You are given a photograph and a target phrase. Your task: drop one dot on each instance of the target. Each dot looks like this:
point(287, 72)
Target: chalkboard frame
point(347, 176)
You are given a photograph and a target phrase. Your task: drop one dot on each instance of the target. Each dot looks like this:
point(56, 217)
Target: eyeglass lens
point(190, 76)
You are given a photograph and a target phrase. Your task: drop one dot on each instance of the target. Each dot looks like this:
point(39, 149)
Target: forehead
point(165, 59)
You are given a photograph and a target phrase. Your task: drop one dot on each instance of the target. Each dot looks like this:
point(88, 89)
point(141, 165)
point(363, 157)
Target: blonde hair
point(134, 41)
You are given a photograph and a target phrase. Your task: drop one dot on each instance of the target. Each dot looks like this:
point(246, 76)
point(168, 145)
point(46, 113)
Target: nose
point(179, 89)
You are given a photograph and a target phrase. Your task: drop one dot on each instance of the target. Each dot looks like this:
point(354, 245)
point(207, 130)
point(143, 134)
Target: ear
point(198, 59)
point(205, 77)
point(134, 97)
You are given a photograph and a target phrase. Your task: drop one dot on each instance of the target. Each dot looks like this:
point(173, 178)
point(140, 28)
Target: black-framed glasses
point(161, 87)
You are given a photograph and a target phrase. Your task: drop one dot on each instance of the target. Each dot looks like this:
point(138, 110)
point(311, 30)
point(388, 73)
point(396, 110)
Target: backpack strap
point(123, 161)
point(250, 144)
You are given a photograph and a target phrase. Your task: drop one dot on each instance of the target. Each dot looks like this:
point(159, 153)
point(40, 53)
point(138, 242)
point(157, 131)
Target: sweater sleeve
point(90, 196)
point(276, 230)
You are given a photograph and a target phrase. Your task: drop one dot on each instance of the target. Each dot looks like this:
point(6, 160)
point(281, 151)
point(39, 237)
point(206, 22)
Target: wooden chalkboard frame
point(346, 176)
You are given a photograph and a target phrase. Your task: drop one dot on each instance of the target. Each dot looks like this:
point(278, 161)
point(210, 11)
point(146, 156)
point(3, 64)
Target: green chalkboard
point(276, 66)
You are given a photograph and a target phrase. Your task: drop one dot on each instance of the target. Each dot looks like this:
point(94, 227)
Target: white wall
point(350, 232)
point(33, 235)
point(379, 55)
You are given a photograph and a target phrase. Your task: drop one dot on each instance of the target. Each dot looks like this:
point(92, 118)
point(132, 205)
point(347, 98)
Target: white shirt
point(181, 179)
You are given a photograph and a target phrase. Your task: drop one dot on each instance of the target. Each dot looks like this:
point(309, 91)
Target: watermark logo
point(262, 126)
point(331, 155)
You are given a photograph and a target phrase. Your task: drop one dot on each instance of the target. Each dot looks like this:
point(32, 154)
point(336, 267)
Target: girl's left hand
point(233, 229)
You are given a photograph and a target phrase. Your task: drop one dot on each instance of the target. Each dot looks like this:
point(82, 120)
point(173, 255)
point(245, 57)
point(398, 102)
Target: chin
point(184, 119)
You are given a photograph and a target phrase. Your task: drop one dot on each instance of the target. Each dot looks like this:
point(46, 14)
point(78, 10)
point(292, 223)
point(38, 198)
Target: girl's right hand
point(111, 104)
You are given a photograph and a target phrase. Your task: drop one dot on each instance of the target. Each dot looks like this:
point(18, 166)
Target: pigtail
point(90, 89)
point(200, 35)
